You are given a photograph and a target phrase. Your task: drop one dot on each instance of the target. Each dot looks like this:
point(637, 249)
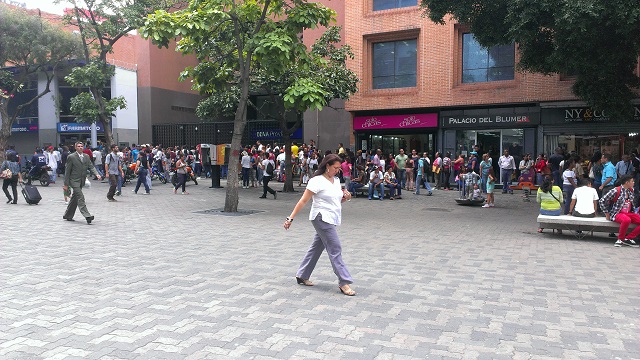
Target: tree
point(308, 80)
point(29, 46)
point(101, 23)
point(229, 38)
point(596, 41)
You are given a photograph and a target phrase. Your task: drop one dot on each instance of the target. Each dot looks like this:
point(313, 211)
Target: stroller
point(468, 181)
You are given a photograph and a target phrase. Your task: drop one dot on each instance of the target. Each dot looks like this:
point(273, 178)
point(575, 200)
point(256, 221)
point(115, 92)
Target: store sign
point(273, 134)
point(582, 115)
point(78, 127)
point(24, 128)
point(507, 120)
point(408, 121)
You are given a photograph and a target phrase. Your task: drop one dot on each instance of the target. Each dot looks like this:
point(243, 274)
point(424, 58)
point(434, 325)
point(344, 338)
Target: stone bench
point(578, 226)
point(365, 191)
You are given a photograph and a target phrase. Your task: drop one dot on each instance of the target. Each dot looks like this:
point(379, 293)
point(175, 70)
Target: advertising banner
point(404, 121)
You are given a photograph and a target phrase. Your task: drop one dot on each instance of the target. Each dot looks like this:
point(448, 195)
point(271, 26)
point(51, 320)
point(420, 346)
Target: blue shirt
point(420, 166)
point(135, 152)
point(609, 171)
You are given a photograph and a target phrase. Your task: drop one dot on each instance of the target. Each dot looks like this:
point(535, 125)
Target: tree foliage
point(101, 24)
point(234, 41)
point(597, 41)
point(29, 46)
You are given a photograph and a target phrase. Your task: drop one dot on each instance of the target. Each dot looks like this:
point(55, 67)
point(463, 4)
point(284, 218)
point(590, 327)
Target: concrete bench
point(578, 226)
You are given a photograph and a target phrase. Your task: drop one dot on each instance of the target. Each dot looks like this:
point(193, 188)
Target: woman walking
point(11, 164)
point(326, 213)
point(181, 171)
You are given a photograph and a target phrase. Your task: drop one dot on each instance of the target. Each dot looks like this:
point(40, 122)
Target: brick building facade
point(432, 87)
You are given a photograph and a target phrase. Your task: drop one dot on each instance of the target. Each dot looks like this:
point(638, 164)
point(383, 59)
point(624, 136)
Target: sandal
point(304, 282)
point(539, 230)
point(349, 291)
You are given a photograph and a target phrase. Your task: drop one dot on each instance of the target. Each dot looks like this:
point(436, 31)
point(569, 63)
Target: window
point(392, 4)
point(66, 92)
point(481, 64)
point(394, 64)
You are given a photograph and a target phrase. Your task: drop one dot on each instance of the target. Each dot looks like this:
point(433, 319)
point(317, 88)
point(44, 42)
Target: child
point(477, 194)
point(67, 195)
point(491, 184)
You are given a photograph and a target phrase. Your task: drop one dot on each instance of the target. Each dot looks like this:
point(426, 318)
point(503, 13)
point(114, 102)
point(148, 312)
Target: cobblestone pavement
point(152, 278)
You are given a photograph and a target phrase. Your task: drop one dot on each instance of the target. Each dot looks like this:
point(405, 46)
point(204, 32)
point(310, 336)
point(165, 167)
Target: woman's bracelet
point(289, 219)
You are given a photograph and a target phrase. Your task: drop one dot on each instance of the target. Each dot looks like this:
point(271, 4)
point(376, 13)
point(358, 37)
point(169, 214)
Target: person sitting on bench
point(618, 205)
point(584, 201)
point(550, 199)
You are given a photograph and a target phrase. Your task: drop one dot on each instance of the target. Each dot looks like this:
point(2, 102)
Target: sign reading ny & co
point(581, 115)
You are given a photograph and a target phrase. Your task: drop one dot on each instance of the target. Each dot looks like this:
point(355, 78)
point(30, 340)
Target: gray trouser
point(326, 237)
point(77, 201)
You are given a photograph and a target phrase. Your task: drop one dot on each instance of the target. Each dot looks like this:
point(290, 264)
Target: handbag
point(435, 169)
point(6, 174)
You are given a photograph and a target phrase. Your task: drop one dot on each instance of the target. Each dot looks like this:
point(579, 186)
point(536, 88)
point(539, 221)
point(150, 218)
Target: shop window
point(392, 4)
point(394, 64)
point(67, 92)
point(481, 64)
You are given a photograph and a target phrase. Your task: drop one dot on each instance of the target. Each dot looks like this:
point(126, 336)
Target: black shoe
point(68, 219)
point(14, 202)
point(89, 219)
point(612, 234)
point(112, 200)
point(262, 197)
point(10, 200)
point(275, 195)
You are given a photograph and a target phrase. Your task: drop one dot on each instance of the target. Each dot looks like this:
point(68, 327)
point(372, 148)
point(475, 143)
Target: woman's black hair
point(12, 157)
point(596, 157)
point(547, 184)
point(568, 163)
point(329, 159)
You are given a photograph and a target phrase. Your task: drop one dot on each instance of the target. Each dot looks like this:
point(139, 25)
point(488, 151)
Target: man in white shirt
point(584, 200)
point(376, 182)
point(97, 160)
point(507, 165)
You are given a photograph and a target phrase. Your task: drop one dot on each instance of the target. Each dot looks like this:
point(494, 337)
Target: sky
point(44, 5)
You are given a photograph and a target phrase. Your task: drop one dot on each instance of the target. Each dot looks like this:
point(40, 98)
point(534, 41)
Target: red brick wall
point(439, 65)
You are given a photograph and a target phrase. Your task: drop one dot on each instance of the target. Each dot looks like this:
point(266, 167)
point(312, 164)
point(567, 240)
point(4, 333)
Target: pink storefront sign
point(405, 121)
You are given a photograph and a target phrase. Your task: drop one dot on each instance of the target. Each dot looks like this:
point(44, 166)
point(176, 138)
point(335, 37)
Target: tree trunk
point(5, 130)
point(105, 118)
point(239, 123)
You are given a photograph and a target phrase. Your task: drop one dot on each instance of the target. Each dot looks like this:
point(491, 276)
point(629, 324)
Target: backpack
point(269, 168)
point(426, 166)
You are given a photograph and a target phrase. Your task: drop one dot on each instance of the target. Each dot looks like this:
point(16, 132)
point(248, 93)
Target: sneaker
point(618, 243)
point(486, 206)
point(185, 193)
point(430, 193)
point(118, 193)
point(66, 203)
point(112, 200)
point(629, 242)
point(147, 193)
point(492, 205)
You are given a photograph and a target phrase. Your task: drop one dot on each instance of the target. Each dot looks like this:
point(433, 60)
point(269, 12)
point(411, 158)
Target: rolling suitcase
point(31, 194)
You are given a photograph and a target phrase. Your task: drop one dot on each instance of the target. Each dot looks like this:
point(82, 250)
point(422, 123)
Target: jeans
point(142, 179)
point(353, 186)
point(113, 184)
point(402, 178)
point(625, 220)
point(245, 176)
point(505, 174)
point(182, 181)
point(265, 186)
point(557, 177)
point(568, 191)
point(445, 178)
point(13, 182)
point(421, 180)
point(380, 189)
point(551, 212)
point(392, 189)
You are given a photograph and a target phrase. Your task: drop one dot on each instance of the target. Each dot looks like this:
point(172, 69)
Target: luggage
point(31, 194)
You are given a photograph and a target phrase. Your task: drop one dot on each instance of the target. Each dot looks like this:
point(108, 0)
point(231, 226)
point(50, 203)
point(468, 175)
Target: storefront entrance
point(391, 144)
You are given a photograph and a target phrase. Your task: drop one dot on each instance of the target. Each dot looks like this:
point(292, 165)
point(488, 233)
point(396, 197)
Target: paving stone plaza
point(168, 277)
